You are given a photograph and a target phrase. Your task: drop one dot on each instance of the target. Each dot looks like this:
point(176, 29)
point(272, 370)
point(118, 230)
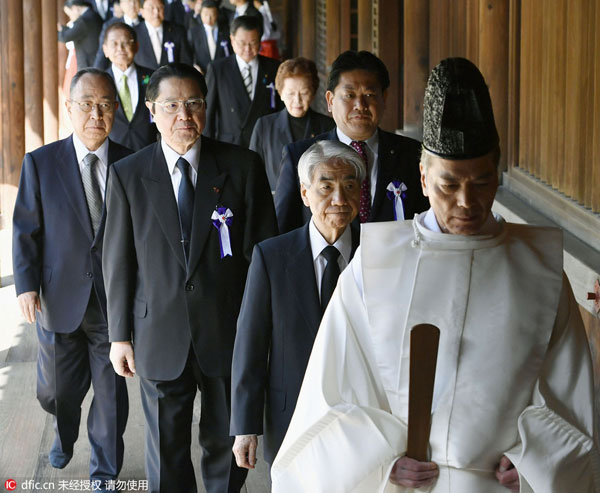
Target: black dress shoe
point(57, 457)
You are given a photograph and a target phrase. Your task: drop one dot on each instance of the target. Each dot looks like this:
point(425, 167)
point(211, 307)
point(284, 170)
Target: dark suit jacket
point(84, 33)
point(398, 160)
point(140, 131)
point(54, 250)
point(277, 326)
point(156, 300)
point(176, 12)
point(173, 33)
point(251, 10)
point(230, 114)
point(272, 133)
point(109, 12)
point(198, 41)
point(100, 61)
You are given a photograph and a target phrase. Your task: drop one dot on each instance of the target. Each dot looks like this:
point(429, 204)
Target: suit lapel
point(146, 51)
point(260, 93)
point(162, 201)
point(301, 272)
point(141, 92)
point(70, 177)
point(112, 157)
point(209, 186)
point(233, 77)
point(386, 154)
point(282, 127)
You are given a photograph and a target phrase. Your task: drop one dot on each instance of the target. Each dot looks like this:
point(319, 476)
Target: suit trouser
point(168, 408)
point(66, 365)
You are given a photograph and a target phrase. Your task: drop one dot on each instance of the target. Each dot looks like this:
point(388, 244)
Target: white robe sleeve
point(557, 452)
point(342, 437)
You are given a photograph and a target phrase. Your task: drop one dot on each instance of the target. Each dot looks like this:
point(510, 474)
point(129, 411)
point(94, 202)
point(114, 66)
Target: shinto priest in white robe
point(514, 372)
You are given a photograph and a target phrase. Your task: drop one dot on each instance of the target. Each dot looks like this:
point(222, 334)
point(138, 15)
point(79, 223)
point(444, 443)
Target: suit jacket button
point(189, 287)
point(89, 274)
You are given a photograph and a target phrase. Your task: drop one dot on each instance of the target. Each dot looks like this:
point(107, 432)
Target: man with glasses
point(58, 230)
point(131, 17)
point(133, 126)
point(161, 42)
point(241, 87)
point(183, 216)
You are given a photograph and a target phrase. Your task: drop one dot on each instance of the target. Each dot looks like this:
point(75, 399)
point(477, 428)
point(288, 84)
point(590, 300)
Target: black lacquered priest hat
point(458, 120)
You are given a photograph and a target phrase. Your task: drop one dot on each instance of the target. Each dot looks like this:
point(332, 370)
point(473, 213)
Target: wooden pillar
point(334, 46)
point(416, 63)
point(493, 62)
point(365, 25)
point(33, 74)
point(50, 70)
point(64, 125)
point(308, 33)
point(390, 51)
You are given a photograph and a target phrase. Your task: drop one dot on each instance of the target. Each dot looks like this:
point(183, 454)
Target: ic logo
point(10, 484)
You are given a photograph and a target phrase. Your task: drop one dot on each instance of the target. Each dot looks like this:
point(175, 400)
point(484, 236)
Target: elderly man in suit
point(277, 325)
point(161, 42)
point(132, 127)
point(85, 26)
point(356, 94)
point(58, 231)
point(183, 216)
point(131, 16)
point(241, 87)
point(209, 42)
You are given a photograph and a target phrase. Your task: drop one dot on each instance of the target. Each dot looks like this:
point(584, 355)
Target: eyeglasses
point(88, 106)
point(121, 44)
point(171, 107)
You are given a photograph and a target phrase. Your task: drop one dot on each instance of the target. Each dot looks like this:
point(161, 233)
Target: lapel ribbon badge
point(271, 88)
point(222, 218)
point(225, 47)
point(169, 46)
point(396, 191)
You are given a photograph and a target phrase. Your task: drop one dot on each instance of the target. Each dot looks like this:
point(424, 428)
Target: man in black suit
point(104, 8)
point(356, 94)
point(132, 127)
point(243, 7)
point(58, 231)
point(183, 216)
point(131, 17)
point(84, 31)
point(277, 325)
point(208, 41)
point(161, 42)
point(241, 87)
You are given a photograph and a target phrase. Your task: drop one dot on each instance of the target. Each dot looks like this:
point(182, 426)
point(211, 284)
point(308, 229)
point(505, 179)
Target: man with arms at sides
point(160, 41)
point(58, 231)
point(183, 216)
point(131, 16)
point(356, 93)
point(208, 41)
point(241, 87)
point(513, 400)
point(85, 26)
point(289, 284)
point(296, 82)
point(132, 126)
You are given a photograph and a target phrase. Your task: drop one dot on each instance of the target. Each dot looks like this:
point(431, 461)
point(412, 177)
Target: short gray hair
point(328, 151)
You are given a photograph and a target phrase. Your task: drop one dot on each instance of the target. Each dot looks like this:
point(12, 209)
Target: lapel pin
point(216, 190)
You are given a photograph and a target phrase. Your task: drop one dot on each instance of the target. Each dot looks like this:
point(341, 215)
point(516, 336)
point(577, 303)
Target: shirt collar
point(82, 151)
point(372, 142)
point(318, 243)
point(242, 64)
point(131, 22)
point(129, 72)
point(241, 10)
point(192, 156)
point(151, 27)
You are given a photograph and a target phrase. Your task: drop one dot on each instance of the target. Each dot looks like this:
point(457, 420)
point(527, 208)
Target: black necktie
point(330, 275)
point(92, 190)
point(185, 199)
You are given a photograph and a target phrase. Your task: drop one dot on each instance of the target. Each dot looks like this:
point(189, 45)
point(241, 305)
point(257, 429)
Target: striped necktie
point(93, 196)
point(365, 187)
point(125, 97)
point(248, 80)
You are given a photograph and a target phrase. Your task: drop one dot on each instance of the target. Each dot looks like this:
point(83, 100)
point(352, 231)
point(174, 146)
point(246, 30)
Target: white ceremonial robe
point(514, 372)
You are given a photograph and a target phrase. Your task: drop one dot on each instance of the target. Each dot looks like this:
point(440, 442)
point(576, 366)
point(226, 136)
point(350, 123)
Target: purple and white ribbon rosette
point(225, 47)
point(169, 46)
point(222, 218)
point(271, 88)
point(396, 191)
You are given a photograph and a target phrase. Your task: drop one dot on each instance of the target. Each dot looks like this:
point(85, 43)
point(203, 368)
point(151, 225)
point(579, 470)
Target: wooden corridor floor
point(26, 431)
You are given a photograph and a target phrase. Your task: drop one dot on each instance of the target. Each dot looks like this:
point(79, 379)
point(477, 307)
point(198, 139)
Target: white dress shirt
point(192, 156)
point(372, 149)
point(253, 70)
point(211, 37)
point(241, 10)
point(156, 38)
point(81, 151)
point(131, 22)
point(132, 82)
point(318, 244)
